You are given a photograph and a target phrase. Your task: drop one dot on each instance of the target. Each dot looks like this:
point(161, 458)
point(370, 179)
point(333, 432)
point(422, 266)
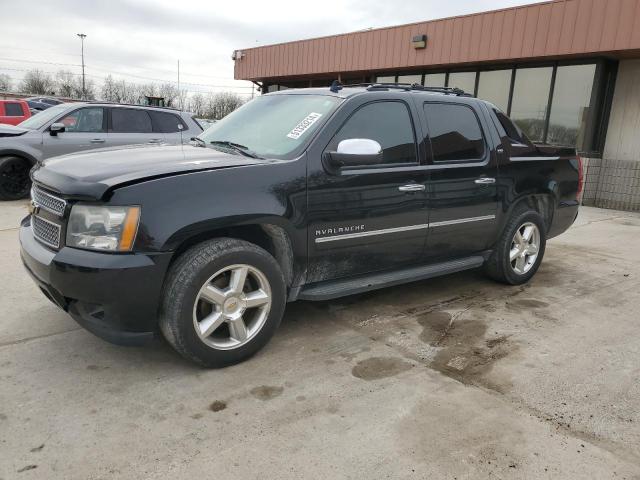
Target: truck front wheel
point(14, 178)
point(518, 253)
point(222, 301)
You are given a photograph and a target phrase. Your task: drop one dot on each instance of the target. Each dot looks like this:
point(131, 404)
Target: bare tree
point(220, 105)
point(197, 104)
point(109, 90)
point(65, 83)
point(37, 82)
point(5, 82)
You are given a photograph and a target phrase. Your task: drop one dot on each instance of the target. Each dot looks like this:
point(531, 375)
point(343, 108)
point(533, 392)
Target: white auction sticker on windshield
point(304, 125)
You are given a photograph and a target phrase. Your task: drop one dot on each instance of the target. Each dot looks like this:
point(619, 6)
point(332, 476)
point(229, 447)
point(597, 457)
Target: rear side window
point(455, 133)
point(13, 109)
point(164, 122)
point(389, 124)
point(128, 120)
point(511, 130)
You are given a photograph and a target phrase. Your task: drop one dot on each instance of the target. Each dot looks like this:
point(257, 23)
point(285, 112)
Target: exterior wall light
point(419, 41)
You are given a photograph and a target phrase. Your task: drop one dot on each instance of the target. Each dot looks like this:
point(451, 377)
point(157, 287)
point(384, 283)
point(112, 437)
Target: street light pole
point(84, 91)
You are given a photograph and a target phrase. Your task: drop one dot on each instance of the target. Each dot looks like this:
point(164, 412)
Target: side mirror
point(355, 152)
point(56, 128)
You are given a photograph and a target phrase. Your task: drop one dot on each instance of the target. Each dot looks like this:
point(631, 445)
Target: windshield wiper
point(199, 141)
point(236, 147)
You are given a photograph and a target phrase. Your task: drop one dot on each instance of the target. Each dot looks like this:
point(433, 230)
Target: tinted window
point(494, 86)
point(570, 106)
point(166, 122)
point(455, 132)
point(510, 129)
point(84, 120)
point(13, 110)
point(463, 80)
point(531, 99)
point(389, 124)
point(128, 120)
point(435, 79)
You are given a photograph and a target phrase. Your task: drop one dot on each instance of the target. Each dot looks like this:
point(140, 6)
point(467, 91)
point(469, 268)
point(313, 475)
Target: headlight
point(103, 228)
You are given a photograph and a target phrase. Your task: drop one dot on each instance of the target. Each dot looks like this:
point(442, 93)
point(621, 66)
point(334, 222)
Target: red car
point(14, 111)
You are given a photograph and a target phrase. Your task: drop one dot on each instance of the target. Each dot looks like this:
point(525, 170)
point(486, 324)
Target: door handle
point(485, 180)
point(155, 140)
point(97, 140)
point(412, 187)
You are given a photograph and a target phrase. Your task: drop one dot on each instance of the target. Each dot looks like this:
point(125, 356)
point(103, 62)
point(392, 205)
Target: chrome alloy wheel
point(524, 248)
point(232, 307)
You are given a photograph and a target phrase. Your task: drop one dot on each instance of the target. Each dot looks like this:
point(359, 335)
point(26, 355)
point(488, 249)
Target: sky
point(142, 40)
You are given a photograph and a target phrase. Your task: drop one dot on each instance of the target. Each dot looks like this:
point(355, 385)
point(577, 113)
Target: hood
point(92, 174)
point(11, 131)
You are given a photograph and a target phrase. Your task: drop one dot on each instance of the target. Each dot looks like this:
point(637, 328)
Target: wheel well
point(542, 203)
point(28, 160)
point(270, 237)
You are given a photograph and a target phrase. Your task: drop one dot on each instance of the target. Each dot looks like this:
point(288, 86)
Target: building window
point(435, 79)
point(463, 80)
point(570, 104)
point(386, 79)
point(531, 100)
point(494, 86)
point(411, 79)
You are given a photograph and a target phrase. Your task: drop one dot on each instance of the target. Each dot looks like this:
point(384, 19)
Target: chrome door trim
point(384, 231)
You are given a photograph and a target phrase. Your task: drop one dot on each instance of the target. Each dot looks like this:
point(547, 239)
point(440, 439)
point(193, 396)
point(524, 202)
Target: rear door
point(85, 129)
point(131, 126)
point(169, 125)
point(462, 192)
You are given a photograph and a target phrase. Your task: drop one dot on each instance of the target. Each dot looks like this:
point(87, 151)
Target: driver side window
point(89, 119)
point(389, 124)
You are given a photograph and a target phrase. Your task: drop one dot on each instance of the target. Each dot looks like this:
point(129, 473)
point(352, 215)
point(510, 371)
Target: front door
point(463, 185)
point(85, 129)
point(373, 217)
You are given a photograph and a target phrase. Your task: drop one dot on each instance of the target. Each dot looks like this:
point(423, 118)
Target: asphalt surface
point(452, 378)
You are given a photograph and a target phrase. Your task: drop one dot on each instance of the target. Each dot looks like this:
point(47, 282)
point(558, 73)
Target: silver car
point(74, 127)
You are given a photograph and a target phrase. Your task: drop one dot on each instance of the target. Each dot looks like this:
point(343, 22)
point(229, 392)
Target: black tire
point(499, 266)
point(185, 278)
point(14, 178)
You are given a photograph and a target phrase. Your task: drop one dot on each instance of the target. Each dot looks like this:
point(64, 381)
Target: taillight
point(580, 177)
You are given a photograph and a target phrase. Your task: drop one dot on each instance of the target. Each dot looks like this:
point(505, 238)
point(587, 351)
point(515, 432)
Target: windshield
point(273, 126)
point(39, 120)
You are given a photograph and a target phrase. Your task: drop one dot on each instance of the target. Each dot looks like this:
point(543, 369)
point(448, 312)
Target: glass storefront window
point(464, 80)
point(531, 99)
point(387, 79)
point(493, 87)
point(435, 79)
point(570, 105)
point(410, 79)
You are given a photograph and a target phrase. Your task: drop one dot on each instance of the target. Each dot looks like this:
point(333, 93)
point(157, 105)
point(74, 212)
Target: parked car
point(46, 100)
point(301, 194)
point(37, 106)
point(73, 127)
point(12, 112)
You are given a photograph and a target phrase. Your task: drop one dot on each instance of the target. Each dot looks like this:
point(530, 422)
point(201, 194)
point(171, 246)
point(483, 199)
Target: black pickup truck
point(303, 194)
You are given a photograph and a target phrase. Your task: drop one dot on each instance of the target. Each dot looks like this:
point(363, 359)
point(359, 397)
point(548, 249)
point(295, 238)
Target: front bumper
point(114, 296)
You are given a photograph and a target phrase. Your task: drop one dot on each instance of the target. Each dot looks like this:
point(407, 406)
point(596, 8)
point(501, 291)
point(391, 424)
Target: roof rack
point(335, 86)
point(131, 105)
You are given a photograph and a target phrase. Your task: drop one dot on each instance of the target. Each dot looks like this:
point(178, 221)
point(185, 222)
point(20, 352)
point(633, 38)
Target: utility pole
point(84, 91)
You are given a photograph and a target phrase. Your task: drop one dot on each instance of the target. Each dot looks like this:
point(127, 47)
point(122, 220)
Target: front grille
point(45, 231)
point(47, 201)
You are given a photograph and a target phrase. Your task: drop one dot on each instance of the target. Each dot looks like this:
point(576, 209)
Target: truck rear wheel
point(14, 178)
point(519, 251)
point(222, 301)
